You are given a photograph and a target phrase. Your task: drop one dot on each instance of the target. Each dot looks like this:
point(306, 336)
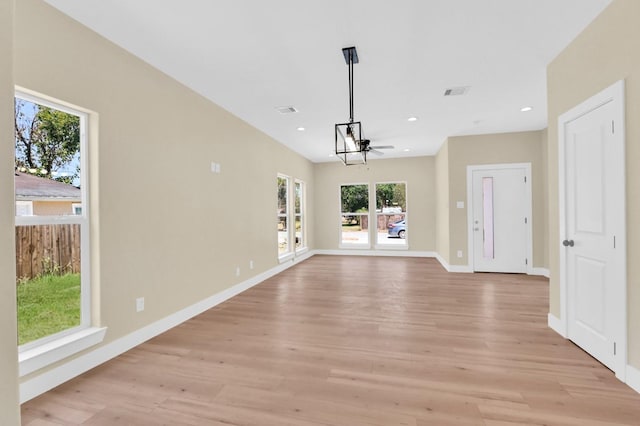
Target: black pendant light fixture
point(351, 148)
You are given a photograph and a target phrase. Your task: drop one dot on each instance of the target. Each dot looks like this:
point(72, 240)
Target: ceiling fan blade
point(375, 152)
point(383, 147)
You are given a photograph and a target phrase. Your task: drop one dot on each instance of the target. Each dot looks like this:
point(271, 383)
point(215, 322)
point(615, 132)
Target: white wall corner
point(633, 378)
point(556, 325)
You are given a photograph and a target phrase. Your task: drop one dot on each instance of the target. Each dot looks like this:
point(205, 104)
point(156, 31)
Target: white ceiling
point(250, 56)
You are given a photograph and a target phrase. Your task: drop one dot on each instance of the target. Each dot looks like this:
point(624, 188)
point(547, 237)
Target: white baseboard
point(392, 252)
point(633, 378)
point(556, 325)
point(543, 272)
point(31, 388)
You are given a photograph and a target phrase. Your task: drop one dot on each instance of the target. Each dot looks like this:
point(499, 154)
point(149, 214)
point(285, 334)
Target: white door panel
point(500, 214)
point(591, 203)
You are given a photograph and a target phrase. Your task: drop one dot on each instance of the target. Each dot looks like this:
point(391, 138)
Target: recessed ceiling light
point(330, 155)
point(412, 119)
point(526, 109)
point(300, 129)
point(407, 150)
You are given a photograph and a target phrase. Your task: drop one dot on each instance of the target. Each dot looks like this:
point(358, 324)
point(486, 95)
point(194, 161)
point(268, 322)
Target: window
point(76, 208)
point(354, 215)
point(299, 215)
point(52, 245)
point(391, 214)
point(283, 212)
point(24, 208)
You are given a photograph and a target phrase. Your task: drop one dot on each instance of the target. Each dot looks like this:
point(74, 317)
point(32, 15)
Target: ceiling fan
point(365, 145)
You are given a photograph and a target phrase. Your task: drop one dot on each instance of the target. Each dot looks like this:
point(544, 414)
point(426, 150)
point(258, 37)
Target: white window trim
point(290, 253)
point(356, 246)
point(56, 350)
point(303, 213)
point(53, 348)
point(405, 244)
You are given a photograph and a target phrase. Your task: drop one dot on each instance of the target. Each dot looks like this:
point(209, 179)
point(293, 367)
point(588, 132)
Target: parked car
point(398, 229)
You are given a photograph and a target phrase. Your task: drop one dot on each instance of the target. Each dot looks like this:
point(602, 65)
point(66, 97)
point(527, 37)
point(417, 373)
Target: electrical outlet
point(251, 264)
point(459, 253)
point(237, 271)
point(140, 304)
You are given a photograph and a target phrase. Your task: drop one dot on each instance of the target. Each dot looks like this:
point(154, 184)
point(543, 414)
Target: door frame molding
point(528, 208)
point(615, 94)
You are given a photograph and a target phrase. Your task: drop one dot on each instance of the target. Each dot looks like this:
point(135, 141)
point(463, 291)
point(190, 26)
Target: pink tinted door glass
point(487, 213)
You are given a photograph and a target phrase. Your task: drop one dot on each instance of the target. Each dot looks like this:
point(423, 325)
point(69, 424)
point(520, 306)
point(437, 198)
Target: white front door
point(500, 219)
point(593, 237)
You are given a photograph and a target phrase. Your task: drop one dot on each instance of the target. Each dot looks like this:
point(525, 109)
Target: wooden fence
point(44, 249)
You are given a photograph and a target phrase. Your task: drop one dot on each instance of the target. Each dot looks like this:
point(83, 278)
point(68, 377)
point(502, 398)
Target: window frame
point(44, 351)
point(303, 220)
point(405, 242)
point(354, 246)
point(290, 253)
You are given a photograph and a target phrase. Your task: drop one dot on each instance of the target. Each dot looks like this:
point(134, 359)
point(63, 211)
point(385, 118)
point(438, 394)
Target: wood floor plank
point(368, 341)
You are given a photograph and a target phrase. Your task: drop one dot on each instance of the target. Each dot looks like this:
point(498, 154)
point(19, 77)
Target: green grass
point(47, 305)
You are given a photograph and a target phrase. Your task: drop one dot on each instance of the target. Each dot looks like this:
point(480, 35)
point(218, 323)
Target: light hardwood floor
point(355, 341)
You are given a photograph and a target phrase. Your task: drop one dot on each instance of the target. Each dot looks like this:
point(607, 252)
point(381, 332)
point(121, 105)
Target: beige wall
point(417, 172)
point(442, 202)
point(607, 51)
point(153, 146)
point(9, 410)
point(523, 147)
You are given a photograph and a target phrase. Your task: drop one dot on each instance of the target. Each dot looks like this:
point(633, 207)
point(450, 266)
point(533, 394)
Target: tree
point(47, 140)
point(355, 198)
point(391, 195)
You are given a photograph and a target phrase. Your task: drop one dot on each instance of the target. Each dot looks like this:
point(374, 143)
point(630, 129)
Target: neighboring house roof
point(29, 187)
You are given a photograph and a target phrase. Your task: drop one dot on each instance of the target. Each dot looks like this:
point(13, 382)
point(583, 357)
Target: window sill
point(392, 247)
point(355, 246)
point(46, 354)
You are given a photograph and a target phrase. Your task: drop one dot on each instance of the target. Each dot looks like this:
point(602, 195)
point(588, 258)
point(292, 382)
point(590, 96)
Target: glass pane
point(282, 194)
point(392, 229)
point(391, 198)
point(298, 198)
point(355, 229)
point(354, 198)
point(47, 159)
point(299, 236)
point(283, 240)
point(48, 285)
point(487, 215)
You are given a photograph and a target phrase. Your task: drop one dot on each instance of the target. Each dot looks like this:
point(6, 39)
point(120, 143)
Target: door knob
point(568, 243)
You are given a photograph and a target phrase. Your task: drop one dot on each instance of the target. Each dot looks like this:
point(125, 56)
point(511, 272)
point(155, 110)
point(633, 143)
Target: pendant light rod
point(351, 58)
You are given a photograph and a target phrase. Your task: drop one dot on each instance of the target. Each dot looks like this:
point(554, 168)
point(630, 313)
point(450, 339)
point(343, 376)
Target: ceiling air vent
point(456, 91)
point(286, 109)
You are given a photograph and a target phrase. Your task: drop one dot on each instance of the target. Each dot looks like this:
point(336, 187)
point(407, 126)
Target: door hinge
point(525, 179)
point(526, 261)
point(614, 241)
point(525, 220)
point(614, 348)
point(613, 127)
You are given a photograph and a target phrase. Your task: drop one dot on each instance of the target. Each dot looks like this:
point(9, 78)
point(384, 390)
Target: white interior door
point(593, 241)
point(500, 219)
